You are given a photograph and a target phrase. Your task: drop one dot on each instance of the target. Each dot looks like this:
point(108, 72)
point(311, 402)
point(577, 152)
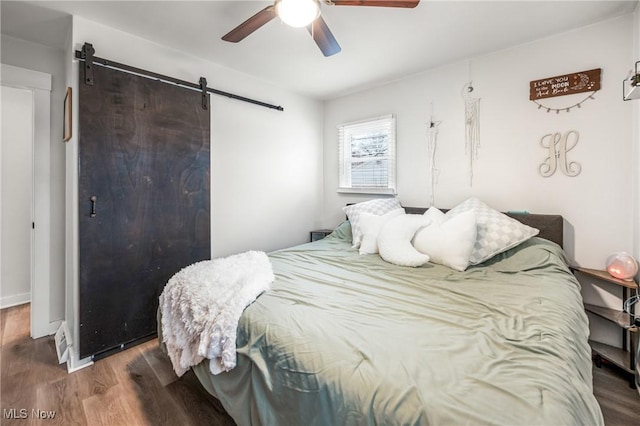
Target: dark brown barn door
point(143, 201)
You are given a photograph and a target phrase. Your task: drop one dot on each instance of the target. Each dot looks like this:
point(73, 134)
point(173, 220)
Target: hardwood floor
point(138, 387)
point(134, 387)
point(620, 403)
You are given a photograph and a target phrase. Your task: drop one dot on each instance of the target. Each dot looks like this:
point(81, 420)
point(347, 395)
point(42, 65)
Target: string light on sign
point(565, 109)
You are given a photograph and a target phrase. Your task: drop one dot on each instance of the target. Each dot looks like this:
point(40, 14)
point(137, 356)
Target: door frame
point(39, 84)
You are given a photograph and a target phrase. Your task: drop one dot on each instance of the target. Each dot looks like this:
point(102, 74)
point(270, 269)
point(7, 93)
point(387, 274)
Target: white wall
point(45, 59)
point(597, 204)
point(266, 165)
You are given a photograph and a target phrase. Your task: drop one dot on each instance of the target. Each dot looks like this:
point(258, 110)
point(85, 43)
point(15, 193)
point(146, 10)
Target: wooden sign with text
point(568, 84)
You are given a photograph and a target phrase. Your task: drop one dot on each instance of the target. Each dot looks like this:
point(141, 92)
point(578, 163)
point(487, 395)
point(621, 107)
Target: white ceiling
point(378, 44)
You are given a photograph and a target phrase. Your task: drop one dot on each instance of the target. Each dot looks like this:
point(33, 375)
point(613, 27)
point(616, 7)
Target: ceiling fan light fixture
point(297, 13)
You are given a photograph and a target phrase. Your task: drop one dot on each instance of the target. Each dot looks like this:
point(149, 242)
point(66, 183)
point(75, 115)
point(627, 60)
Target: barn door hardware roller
point(205, 97)
point(86, 55)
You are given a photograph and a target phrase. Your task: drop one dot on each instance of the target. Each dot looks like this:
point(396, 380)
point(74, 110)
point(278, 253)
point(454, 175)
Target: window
point(367, 151)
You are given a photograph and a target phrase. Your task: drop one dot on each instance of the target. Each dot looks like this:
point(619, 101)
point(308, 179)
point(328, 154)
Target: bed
point(342, 338)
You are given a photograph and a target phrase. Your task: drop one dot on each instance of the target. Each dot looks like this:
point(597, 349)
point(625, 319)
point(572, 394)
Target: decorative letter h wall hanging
point(557, 146)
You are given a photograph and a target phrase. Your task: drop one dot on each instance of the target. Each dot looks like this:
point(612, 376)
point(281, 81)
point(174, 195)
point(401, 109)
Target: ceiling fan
point(301, 13)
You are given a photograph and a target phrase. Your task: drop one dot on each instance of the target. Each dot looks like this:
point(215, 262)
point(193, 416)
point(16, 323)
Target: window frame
point(345, 159)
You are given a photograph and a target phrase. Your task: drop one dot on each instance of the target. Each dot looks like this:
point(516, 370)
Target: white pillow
point(370, 225)
point(496, 232)
point(450, 242)
point(435, 215)
point(395, 237)
point(378, 207)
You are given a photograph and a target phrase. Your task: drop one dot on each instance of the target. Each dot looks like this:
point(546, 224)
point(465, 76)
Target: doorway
point(16, 205)
point(18, 84)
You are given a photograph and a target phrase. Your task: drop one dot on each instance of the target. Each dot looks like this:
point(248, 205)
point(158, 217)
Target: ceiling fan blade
point(251, 24)
point(378, 3)
point(323, 37)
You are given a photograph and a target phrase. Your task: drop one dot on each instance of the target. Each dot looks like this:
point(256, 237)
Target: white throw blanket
point(201, 306)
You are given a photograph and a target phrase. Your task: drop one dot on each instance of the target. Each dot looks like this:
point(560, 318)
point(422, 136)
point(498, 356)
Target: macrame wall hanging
point(432, 143)
point(472, 127)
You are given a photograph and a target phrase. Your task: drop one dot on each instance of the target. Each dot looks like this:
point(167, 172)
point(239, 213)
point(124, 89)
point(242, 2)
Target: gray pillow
point(496, 232)
point(378, 207)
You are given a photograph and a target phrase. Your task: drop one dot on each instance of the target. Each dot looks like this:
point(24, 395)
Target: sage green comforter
point(348, 339)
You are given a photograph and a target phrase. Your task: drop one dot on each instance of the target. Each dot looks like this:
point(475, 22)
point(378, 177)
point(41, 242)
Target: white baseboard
point(74, 363)
point(15, 300)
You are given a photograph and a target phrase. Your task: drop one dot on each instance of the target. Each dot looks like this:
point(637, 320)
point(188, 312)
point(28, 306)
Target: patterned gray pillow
point(497, 232)
point(378, 207)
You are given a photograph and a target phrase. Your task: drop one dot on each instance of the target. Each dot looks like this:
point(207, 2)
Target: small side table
point(625, 357)
point(319, 234)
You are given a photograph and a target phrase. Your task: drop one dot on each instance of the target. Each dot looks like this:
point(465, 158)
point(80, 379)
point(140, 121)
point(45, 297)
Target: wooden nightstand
point(624, 357)
point(319, 234)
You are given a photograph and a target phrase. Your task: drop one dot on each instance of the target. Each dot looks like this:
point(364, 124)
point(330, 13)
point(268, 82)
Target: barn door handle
point(93, 205)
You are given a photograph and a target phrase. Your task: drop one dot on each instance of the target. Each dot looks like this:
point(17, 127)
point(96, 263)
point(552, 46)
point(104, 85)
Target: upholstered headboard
point(550, 225)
